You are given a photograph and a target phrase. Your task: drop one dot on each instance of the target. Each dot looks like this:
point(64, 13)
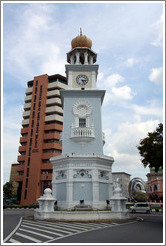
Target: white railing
point(82, 134)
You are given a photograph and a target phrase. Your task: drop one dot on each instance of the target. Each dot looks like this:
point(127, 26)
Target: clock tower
point(82, 174)
point(82, 72)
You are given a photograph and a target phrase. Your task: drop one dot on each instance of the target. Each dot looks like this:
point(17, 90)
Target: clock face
point(82, 79)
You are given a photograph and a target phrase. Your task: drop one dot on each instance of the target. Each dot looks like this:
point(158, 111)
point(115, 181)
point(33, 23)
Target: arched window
point(155, 187)
point(82, 110)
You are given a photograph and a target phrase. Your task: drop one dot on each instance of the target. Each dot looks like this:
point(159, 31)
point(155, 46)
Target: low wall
point(81, 215)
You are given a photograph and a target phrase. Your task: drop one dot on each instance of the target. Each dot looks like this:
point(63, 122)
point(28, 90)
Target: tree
point(7, 190)
point(151, 149)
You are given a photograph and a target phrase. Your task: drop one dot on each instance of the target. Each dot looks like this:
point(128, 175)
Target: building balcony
point(54, 109)
point(51, 136)
point(24, 130)
point(46, 166)
point(23, 139)
point(53, 126)
point(29, 90)
point(52, 146)
point(28, 98)
point(56, 85)
point(27, 106)
point(25, 122)
point(54, 117)
point(54, 101)
point(53, 93)
point(82, 134)
point(49, 155)
point(46, 176)
point(26, 113)
point(19, 168)
point(21, 149)
point(19, 178)
point(21, 158)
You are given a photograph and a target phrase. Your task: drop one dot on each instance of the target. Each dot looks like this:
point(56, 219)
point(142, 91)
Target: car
point(140, 207)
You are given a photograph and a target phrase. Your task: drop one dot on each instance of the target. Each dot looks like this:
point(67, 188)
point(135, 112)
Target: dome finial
point(80, 31)
point(81, 41)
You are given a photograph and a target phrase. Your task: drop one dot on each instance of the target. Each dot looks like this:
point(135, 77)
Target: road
point(150, 230)
point(11, 218)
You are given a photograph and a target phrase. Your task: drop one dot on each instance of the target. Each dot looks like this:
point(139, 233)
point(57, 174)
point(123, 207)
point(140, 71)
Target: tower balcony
point(82, 134)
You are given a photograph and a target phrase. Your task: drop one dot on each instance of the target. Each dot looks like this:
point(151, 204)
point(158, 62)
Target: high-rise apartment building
point(40, 135)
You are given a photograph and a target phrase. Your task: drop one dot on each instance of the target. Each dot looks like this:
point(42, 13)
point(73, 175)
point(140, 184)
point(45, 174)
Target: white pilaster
point(85, 58)
point(91, 60)
point(72, 60)
point(69, 188)
point(95, 187)
point(93, 79)
point(77, 58)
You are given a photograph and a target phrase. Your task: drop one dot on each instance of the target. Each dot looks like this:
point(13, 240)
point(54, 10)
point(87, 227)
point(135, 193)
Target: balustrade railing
point(82, 132)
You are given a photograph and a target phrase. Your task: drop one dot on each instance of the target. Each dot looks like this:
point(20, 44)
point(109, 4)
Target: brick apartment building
point(40, 134)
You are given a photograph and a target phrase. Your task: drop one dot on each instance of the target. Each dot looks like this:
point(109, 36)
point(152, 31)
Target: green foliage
point(151, 149)
point(7, 190)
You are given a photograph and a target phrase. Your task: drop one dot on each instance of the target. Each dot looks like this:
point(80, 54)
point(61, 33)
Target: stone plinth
point(84, 216)
point(118, 201)
point(46, 202)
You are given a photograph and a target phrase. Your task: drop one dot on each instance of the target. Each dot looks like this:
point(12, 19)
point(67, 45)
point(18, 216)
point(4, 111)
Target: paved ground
point(147, 231)
point(47, 232)
point(150, 230)
point(11, 218)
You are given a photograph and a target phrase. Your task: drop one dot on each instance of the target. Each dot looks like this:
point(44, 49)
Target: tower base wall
point(82, 180)
point(84, 216)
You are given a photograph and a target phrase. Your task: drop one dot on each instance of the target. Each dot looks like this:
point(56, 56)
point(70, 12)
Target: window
point(51, 131)
point(33, 115)
point(26, 184)
point(29, 151)
point(30, 142)
point(51, 151)
point(32, 123)
point(29, 161)
point(45, 161)
point(82, 122)
point(25, 194)
point(51, 141)
point(20, 173)
point(27, 172)
point(155, 187)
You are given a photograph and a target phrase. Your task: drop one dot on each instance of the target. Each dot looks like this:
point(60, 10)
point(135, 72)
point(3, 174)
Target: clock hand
point(83, 81)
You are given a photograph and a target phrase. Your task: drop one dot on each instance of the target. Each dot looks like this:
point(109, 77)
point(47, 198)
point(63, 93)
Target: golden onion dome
point(81, 41)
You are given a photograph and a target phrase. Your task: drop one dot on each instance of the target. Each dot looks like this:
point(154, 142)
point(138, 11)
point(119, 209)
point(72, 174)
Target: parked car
point(140, 207)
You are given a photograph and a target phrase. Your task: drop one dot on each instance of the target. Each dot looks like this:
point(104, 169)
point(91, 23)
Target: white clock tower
point(82, 174)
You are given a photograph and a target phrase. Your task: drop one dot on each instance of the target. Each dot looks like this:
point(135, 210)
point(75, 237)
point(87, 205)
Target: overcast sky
point(128, 40)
